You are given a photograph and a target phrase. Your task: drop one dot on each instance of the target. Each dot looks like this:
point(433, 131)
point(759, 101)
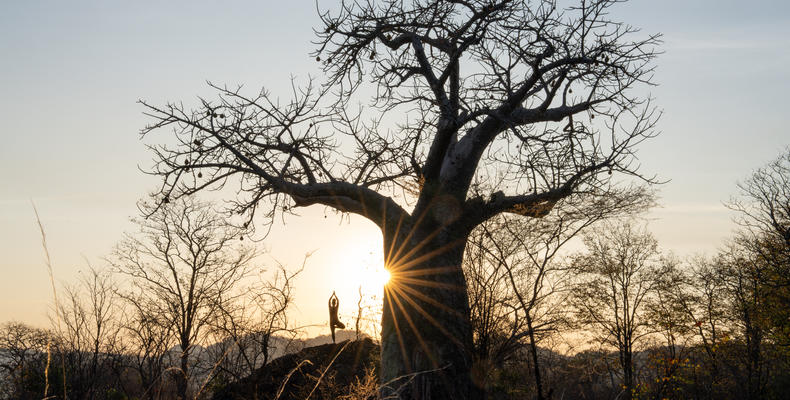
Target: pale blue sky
point(70, 73)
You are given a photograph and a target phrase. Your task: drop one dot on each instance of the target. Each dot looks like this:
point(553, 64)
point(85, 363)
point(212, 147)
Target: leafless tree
point(252, 330)
point(516, 281)
point(543, 101)
point(149, 337)
point(89, 334)
point(764, 201)
point(500, 278)
point(186, 262)
point(692, 304)
point(665, 308)
point(23, 352)
point(748, 311)
point(618, 273)
point(673, 310)
point(367, 322)
point(763, 207)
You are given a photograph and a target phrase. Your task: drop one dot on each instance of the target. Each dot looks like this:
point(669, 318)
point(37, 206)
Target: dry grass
point(48, 262)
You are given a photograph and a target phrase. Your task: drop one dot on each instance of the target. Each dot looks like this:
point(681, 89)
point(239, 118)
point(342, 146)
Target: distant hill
point(280, 346)
point(340, 336)
point(326, 370)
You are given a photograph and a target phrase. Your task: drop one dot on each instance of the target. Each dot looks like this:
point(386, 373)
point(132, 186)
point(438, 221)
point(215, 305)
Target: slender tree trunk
point(534, 350)
point(265, 349)
point(181, 377)
point(753, 342)
point(426, 329)
point(628, 374)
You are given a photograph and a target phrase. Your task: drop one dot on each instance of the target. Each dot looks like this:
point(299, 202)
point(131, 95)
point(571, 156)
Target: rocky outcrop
point(326, 371)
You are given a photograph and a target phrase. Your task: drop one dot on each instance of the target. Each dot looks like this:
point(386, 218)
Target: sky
point(71, 73)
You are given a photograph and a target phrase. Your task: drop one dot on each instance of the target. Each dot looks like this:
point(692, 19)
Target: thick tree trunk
point(426, 329)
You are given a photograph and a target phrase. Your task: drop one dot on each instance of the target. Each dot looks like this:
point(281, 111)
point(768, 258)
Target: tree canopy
point(507, 90)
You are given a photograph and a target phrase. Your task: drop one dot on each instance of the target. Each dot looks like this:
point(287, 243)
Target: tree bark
point(628, 373)
point(426, 329)
point(181, 376)
point(533, 347)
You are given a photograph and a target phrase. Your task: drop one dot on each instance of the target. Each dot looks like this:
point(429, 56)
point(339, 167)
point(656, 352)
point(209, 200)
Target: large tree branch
point(534, 205)
point(347, 197)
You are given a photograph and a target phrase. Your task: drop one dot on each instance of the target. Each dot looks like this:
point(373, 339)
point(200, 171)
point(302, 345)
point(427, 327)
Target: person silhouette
point(334, 322)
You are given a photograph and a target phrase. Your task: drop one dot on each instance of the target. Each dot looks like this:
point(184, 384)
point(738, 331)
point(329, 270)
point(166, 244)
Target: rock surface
point(320, 372)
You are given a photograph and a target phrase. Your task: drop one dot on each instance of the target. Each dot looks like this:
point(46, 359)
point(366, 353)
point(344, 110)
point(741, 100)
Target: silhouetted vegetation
point(509, 197)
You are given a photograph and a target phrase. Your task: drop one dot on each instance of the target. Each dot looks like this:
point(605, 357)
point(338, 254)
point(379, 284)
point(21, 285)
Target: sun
point(376, 276)
point(360, 265)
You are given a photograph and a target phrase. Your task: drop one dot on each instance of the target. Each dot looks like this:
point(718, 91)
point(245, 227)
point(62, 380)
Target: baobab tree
point(537, 103)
